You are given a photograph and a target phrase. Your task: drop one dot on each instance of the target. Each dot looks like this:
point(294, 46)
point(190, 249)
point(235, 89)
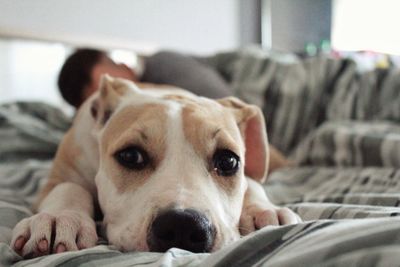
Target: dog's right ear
point(111, 91)
point(250, 121)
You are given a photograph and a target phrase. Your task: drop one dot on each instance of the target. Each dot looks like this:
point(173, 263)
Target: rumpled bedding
point(339, 127)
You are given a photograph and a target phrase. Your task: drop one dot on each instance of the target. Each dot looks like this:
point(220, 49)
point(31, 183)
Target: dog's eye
point(226, 163)
point(133, 158)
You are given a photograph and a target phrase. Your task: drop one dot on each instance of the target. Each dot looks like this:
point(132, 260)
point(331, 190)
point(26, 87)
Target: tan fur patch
point(153, 85)
point(64, 167)
point(208, 127)
point(143, 126)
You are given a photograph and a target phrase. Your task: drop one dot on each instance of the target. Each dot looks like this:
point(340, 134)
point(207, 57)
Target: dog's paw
point(44, 234)
point(255, 217)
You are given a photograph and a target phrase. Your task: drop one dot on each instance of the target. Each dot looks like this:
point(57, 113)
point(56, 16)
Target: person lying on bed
point(80, 74)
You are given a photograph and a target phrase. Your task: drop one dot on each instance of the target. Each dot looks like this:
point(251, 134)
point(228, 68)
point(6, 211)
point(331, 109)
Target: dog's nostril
point(198, 236)
point(168, 236)
point(185, 229)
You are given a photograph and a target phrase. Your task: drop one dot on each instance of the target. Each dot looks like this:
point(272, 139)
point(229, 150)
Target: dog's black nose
point(186, 229)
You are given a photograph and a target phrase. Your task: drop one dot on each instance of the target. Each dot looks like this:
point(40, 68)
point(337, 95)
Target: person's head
point(80, 74)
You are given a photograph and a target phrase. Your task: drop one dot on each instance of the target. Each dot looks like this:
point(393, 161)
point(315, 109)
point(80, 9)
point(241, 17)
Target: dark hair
point(75, 74)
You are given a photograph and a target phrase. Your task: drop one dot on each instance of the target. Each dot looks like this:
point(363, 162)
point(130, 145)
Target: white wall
point(197, 26)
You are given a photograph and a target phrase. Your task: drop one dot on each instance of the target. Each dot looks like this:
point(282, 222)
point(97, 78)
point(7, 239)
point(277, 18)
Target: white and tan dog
point(166, 168)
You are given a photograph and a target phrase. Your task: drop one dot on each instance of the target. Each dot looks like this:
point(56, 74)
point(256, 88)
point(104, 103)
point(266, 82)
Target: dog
point(165, 167)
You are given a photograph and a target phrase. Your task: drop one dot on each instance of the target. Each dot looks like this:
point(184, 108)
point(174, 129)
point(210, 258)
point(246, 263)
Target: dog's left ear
point(251, 123)
point(110, 94)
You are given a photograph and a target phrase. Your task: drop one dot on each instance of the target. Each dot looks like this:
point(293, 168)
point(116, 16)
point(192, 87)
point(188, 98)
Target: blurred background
point(36, 36)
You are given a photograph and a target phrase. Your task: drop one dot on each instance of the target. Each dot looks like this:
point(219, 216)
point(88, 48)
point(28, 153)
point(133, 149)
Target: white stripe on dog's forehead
point(176, 142)
point(175, 133)
point(180, 161)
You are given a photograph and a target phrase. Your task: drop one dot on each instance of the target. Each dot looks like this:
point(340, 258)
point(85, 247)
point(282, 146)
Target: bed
point(339, 126)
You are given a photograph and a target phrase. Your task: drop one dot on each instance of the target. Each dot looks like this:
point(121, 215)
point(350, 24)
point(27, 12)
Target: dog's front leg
point(258, 211)
point(64, 222)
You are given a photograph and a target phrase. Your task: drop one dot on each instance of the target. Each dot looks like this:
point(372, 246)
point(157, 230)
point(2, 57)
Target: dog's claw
point(43, 246)
point(61, 248)
point(19, 243)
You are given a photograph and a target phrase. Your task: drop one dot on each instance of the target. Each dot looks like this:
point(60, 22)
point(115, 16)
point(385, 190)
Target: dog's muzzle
point(186, 229)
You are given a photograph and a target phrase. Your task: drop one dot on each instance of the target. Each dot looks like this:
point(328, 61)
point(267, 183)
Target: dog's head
point(172, 166)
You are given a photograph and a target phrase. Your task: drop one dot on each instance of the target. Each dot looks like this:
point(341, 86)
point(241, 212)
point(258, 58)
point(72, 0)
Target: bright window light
point(29, 71)
point(368, 25)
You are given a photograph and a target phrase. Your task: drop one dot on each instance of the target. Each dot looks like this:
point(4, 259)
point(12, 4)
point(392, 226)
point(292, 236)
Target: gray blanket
point(298, 95)
point(341, 130)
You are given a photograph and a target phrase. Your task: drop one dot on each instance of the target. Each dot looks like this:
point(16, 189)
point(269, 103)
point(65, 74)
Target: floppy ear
point(111, 91)
point(251, 123)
